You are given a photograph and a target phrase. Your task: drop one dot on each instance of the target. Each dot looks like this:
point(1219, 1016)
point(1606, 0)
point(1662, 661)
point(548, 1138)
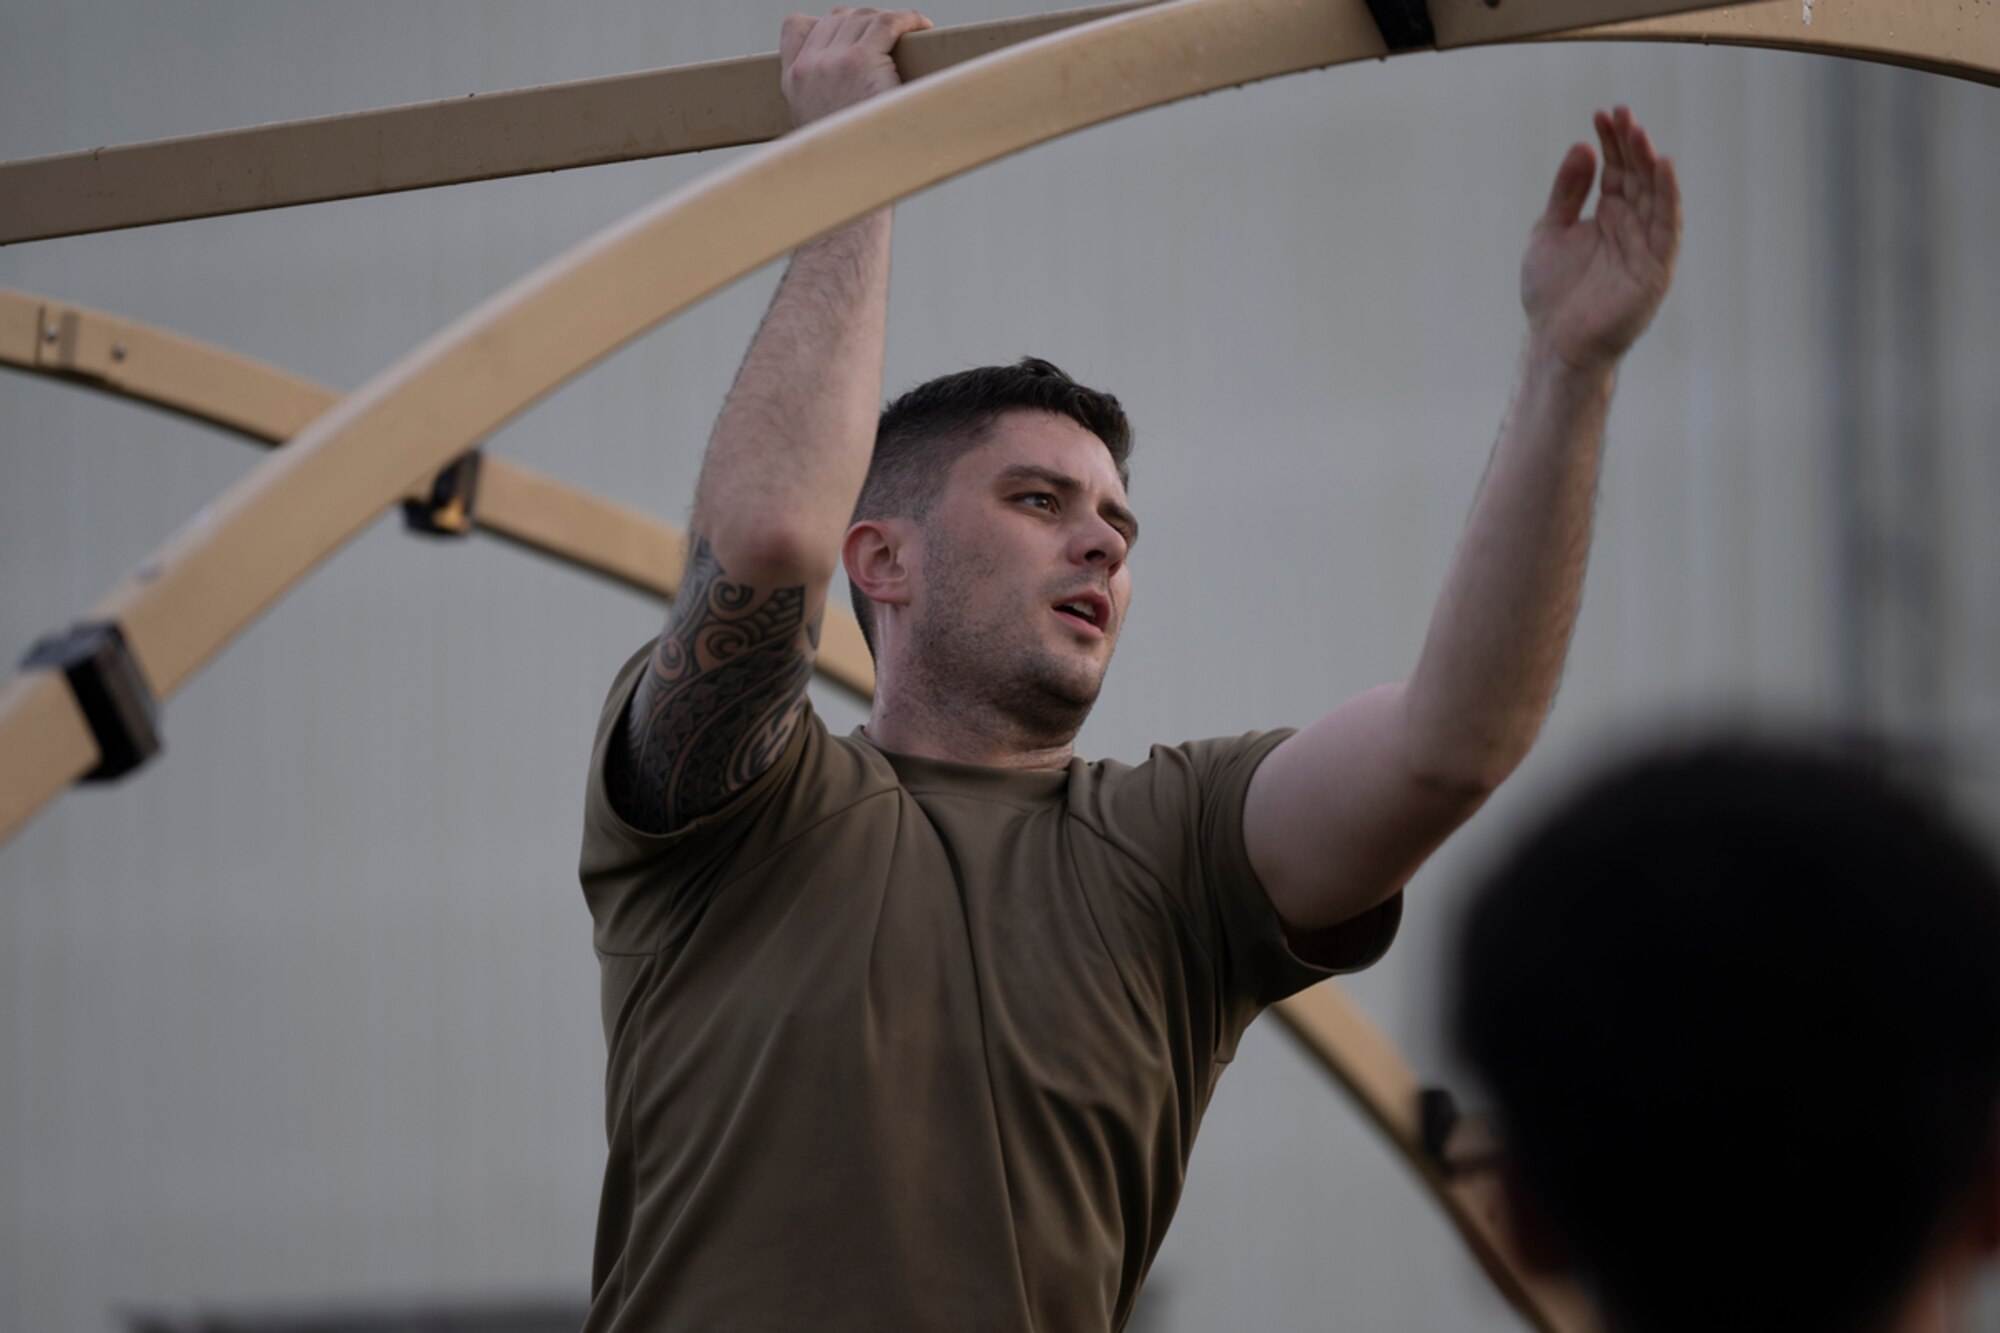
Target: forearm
point(791, 445)
point(1341, 814)
point(1498, 638)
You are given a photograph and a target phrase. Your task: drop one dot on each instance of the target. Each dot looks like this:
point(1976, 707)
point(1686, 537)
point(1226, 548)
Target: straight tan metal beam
point(260, 402)
point(622, 118)
point(1960, 40)
point(690, 108)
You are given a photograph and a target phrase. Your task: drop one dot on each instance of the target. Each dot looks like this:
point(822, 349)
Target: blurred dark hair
point(1739, 1006)
point(924, 432)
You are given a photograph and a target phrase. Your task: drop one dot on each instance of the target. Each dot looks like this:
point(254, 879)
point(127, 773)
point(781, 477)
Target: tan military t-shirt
point(898, 1044)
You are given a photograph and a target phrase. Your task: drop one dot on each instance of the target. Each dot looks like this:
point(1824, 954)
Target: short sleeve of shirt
point(1182, 811)
point(637, 884)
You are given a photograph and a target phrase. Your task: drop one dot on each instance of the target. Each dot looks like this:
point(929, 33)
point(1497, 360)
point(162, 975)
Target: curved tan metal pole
point(691, 108)
point(206, 584)
point(1350, 1047)
point(156, 367)
point(44, 745)
point(262, 403)
point(199, 380)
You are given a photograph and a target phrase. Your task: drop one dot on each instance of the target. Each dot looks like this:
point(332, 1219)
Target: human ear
point(873, 555)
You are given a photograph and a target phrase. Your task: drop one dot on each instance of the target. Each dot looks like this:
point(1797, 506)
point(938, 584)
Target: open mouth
point(1083, 611)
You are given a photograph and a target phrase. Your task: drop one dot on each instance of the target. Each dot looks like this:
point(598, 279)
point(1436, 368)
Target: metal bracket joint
point(449, 509)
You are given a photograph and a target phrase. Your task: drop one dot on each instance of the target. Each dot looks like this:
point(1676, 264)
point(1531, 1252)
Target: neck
point(909, 720)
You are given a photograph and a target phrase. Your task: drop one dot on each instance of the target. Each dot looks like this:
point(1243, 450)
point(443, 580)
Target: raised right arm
point(726, 684)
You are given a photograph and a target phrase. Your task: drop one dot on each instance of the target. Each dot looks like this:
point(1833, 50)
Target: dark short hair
point(924, 432)
point(1739, 1007)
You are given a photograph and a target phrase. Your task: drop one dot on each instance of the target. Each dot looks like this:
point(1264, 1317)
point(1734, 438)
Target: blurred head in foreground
point(1739, 1008)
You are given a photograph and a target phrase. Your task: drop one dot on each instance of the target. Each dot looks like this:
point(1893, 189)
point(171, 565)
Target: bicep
point(1337, 818)
point(718, 701)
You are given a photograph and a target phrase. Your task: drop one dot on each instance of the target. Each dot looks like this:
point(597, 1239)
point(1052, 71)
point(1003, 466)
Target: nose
point(1103, 545)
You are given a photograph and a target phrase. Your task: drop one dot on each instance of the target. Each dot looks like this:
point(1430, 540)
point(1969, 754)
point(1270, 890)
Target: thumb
point(1573, 181)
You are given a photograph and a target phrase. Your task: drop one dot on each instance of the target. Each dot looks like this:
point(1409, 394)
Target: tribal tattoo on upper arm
point(716, 704)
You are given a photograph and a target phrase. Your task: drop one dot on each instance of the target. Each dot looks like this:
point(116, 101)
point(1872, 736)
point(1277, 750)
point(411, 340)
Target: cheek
point(966, 577)
point(1010, 559)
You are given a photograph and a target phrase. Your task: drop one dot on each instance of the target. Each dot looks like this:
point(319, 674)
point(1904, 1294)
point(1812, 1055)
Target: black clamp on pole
point(110, 691)
point(1405, 24)
point(1437, 1117)
point(448, 510)
point(1455, 1143)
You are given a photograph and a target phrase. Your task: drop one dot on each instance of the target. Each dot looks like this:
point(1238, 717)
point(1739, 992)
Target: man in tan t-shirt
point(912, 1029)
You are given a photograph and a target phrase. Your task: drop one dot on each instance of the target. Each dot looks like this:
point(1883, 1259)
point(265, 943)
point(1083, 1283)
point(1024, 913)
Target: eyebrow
point(1070, 486)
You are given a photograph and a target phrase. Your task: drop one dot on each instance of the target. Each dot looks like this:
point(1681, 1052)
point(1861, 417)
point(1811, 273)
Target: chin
point(1056, 696)
point(1047, 689)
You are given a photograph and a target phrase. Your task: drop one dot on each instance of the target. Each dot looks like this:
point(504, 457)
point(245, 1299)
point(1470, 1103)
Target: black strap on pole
point(1404, 23)
point(110, 692)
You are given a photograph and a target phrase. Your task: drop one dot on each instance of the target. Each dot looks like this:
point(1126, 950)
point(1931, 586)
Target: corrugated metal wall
point(306, 1011)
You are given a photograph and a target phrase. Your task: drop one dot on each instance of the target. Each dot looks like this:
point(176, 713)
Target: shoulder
point(1176, 785)
point(814, 775)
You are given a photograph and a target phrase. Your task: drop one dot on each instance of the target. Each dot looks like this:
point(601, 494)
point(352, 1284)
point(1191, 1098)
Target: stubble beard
point(1001, 669)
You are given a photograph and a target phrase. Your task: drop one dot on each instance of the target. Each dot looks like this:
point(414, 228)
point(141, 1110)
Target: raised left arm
point(1340, 815)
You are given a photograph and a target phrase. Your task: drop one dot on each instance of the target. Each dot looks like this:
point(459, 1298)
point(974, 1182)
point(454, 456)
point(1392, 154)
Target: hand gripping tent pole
point(662, 112)
point(264, 404)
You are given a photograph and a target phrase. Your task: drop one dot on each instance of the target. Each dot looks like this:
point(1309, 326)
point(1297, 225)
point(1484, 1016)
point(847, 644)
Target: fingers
point(1643, 188)
point(1649, 187)
point(1665, 237)
point(831, 63)
point(1660, 193)
point(891, 26)
point(1572, 186)
point(826, 30)
point(851, 29)
point(792, 37)
point(1639, 154)
point(1611, 141)
point(844, 25)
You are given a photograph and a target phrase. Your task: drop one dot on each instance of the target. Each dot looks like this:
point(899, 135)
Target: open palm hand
point(1591, 285)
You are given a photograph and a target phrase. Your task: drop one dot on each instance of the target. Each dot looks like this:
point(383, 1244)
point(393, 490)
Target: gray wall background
point(305, 1012)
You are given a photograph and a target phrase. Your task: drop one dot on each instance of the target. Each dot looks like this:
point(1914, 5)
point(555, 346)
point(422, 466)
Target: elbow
point(1468, 768)
point(1465, 747)
point(1463, 785)
point(772, 553)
